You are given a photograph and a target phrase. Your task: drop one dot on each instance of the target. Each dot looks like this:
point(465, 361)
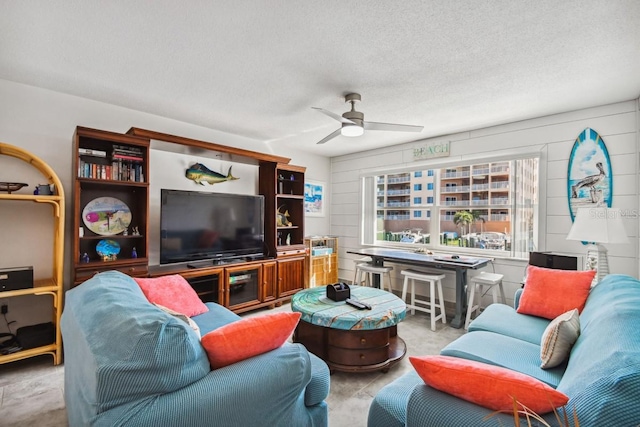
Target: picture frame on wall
point(314, 198)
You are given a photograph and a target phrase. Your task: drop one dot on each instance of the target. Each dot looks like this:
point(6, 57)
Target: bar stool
point(492, 282)
point(356, 273)
point(369, 270)
point(431, 305)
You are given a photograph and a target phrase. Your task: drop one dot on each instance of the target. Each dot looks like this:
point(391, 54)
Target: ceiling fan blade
point(392, 127)
point(334, 115)
point(330, 136)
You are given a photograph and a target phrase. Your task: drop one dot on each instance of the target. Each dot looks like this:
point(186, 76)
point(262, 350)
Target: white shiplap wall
point(552, 136)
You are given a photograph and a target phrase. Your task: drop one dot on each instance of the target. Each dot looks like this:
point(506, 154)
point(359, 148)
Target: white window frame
point(369, 210)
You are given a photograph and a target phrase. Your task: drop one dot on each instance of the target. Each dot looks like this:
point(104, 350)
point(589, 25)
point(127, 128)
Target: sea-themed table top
point(387, 309)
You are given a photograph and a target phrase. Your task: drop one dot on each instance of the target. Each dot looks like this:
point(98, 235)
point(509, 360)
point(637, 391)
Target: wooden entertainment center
point(111, 167)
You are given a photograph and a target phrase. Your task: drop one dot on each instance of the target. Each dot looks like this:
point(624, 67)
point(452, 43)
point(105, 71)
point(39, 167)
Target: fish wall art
point(200, 174)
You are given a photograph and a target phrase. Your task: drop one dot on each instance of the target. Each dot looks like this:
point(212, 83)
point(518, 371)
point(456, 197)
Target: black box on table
point(338, 291)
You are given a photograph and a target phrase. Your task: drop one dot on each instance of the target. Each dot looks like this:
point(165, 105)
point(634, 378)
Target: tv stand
point(236, 284)
point(199, 264)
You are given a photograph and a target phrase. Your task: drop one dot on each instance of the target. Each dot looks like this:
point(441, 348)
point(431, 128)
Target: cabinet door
point(242, 285)
point(331, 269)
point(208, 285)
point(290, 276)
point(269, 281)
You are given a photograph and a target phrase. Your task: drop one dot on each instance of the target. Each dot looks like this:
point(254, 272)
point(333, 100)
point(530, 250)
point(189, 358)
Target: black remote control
point(358, 304)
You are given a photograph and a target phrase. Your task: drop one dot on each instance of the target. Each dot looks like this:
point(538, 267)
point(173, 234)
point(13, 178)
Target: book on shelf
point(122, 149)
point(91, 152)
point(128, 157)
point(118, 170)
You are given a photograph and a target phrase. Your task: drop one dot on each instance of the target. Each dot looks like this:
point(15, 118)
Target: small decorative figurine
point(282, 218)
point(292, 178)
point(134, 253)
point(135, 231)
point(125, 232)
point(85, 258)
point(288, 239)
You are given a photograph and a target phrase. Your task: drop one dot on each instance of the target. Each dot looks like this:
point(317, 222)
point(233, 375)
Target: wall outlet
point(4, 309)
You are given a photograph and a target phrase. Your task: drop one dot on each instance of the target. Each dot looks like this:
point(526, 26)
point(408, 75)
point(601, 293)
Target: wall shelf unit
point(49, 286)
point(111, 203)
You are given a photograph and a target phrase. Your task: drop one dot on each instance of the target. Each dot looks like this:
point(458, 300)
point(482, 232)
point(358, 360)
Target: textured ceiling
point(255, 68)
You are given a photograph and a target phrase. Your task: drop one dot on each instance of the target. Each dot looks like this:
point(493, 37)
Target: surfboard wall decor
point(589, 177)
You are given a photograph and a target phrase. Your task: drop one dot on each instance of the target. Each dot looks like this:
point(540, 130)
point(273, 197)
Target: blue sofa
point(128, 363)
point(601, 377)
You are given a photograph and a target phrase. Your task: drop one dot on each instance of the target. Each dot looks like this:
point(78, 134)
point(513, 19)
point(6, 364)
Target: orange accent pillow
point(248, 337)
point(173, 292)
point(548, 293)
point(487, 385)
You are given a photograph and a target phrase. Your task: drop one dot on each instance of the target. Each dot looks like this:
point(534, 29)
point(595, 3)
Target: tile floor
point(31, 391)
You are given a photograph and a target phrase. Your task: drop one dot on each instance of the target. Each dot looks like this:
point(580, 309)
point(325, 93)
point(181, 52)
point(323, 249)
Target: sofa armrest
point(262, 390)
point(318, 388)
point(516, 298)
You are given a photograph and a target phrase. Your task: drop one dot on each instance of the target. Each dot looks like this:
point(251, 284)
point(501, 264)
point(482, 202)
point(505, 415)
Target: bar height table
point(445, 262)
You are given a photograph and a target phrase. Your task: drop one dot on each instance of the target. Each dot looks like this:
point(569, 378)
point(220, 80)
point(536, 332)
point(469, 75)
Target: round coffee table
point(349, 339)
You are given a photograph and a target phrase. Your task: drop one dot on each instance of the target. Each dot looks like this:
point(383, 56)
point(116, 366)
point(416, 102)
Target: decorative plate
point(108, 248)
point(11, 186)
point(106, 216)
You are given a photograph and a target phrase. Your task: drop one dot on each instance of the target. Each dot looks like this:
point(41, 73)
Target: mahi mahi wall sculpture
point(199, 173)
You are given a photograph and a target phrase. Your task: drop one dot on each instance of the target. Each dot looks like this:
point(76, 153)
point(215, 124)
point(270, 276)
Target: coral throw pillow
point(558, 338)
point(248, 337)
point(548, 293)
point(486, 385)
point(173, 292)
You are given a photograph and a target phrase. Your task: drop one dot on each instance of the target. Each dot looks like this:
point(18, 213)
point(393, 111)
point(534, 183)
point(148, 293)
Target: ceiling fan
point(353, 123)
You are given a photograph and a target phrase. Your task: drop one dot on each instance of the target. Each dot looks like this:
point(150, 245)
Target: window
point(484, 207)
point(417, 174)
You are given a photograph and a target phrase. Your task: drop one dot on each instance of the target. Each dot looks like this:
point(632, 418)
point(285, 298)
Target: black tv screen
point(197, 226)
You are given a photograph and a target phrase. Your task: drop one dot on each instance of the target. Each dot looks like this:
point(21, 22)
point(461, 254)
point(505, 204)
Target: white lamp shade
point(598, 225)
point(351, 130)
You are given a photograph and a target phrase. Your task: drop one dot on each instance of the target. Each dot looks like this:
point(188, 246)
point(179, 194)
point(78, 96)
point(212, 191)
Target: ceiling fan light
point(351, 130)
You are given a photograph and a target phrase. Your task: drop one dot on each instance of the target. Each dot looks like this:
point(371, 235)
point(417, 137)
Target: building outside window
point(484, 207)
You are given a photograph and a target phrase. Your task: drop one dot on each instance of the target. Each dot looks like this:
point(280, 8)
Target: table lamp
point(597, 226)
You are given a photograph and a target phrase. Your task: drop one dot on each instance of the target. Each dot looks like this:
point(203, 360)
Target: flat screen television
point(198, 226)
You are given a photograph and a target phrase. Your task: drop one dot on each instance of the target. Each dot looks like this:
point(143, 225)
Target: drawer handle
point(363, 341)
point(361, 356)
